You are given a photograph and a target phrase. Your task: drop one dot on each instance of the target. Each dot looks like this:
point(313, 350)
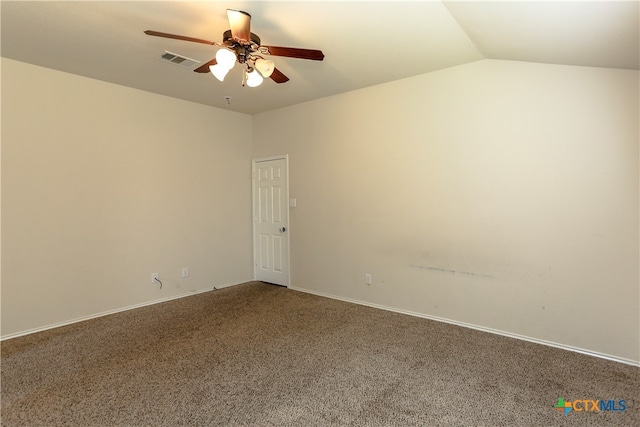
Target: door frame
point(254, 162)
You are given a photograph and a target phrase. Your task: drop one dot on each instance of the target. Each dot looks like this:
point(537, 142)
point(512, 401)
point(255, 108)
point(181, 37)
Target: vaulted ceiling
point(365, 43)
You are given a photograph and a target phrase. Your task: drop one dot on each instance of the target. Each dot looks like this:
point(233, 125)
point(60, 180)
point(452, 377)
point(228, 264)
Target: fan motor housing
point(242, 48)
point(228, 39)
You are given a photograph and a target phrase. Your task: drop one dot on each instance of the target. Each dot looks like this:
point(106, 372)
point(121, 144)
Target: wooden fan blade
point(278, 77)
point(177, 37)
point(204, 68)
point(293, 52)
point(240, 23)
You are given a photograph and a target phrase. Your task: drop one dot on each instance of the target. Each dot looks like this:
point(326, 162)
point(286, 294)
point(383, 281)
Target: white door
point(271, 221)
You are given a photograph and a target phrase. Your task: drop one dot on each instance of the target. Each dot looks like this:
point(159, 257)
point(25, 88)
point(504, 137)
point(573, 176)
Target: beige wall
point(498, 194)
point(103, 185)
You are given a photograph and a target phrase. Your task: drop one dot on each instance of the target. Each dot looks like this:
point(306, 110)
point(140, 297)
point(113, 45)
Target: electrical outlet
point(154, 277)
point(185, 272)
point(367, 279)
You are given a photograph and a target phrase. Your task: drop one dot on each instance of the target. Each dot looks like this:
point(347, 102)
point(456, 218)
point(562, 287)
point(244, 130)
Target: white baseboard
point(350, 300)
point(476, 327)
point(117, 310)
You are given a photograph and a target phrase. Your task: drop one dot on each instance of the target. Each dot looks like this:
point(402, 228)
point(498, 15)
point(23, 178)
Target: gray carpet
point(262, 355)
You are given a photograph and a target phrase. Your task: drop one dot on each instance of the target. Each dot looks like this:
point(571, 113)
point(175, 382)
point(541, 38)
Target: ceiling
point(365, 43)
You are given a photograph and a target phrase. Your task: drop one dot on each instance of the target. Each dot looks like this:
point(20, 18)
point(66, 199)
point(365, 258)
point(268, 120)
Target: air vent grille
point(174, 58)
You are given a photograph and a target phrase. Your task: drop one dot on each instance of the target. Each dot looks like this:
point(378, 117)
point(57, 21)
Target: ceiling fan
point(240, 45)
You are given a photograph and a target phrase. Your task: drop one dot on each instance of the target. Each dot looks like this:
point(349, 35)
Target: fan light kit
point(242, 46)
point(256, 70)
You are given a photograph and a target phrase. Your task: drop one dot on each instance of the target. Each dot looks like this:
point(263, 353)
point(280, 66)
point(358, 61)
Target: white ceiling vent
point(178, 59)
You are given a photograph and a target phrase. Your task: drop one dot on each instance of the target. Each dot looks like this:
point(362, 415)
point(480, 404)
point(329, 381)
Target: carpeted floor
point(262, 355)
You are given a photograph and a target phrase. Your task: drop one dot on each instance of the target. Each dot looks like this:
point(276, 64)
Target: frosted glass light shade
point(226, 58)
point(254, 79)
point(265, 67)
point(218, 70)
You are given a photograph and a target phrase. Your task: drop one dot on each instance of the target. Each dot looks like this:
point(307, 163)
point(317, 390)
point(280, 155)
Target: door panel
point(271, 221)
point(277, 204)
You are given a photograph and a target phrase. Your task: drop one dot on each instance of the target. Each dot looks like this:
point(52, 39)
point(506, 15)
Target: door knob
point(283, 229)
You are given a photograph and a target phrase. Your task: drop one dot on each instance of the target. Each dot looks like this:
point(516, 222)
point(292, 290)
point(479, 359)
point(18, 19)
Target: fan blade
point(278, 77)
point(293, 52)
point(177, 37)
point(240, 24)
point(204, 68)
